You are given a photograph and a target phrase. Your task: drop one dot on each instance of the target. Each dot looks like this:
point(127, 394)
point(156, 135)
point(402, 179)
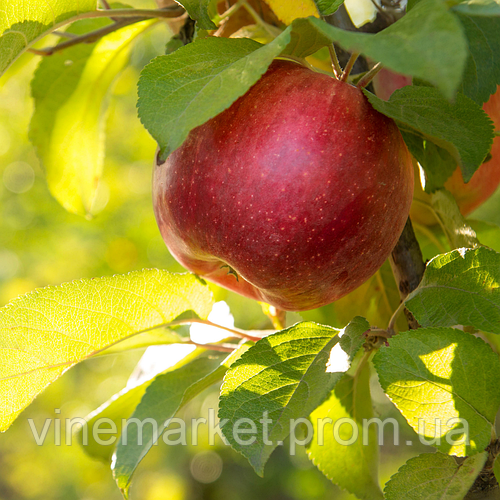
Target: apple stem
point(337, 70)
point(368, 77)
point(349, 66)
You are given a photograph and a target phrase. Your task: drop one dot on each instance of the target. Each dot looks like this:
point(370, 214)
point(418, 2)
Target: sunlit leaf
point(444, 382)
point(70, 90)
point(282, 378)
point(288, 10)
point(459, 288)
point(120, 406)
point(22, 23)
point(347, 453)
point(45, 332)
point(435, 476)
point(161, 401)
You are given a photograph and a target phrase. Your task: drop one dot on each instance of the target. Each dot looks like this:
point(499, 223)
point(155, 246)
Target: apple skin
point(300, 187)
point(485, 180)
point(386, 82)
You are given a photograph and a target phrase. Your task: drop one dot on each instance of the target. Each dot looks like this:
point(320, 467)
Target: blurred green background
point(41, 244)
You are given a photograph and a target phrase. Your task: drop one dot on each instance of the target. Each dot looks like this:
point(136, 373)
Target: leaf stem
point(349, 66)
point(368, 77)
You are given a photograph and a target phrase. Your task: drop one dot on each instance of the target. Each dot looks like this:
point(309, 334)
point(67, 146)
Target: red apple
point(485, 180)
point(295, 195)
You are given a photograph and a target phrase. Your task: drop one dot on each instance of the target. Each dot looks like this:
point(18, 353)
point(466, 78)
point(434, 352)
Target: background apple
point(294, 196)
point(483, 183)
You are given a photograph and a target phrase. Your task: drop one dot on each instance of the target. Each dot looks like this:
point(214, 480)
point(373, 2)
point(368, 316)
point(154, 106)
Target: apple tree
point(291, 143)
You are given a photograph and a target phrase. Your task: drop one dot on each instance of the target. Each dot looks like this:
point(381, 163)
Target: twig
point(408, 267)
point(108, 7)
point(90, 37)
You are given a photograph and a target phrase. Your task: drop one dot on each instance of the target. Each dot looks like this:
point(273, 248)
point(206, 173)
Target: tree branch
point(90, 37)
point(407, 266)
point(130, 16)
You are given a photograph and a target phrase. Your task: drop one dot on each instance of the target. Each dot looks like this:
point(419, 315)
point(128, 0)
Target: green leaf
point(180, 91)
point(461, 127)
point(198, 10)
point(282, 378)
point(118, 407)
point(496, 468)
point(458, 232)
point(22, 23)
point(479, 7)
point(305, 38)
point(437, 163)
point(70, 89)
point(444, 382)
point(427, 43)
point(352, 338)
point(328, 7)
point(434, 476)
point(161, 336)
point(161, 401)
point(45, 332)
point(351, 465)
point(482, 71)
point(459, 288)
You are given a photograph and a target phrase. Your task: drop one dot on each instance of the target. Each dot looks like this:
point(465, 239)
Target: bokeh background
point(41, 244)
